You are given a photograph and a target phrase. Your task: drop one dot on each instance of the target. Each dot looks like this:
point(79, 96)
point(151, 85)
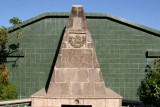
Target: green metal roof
point(91, 15)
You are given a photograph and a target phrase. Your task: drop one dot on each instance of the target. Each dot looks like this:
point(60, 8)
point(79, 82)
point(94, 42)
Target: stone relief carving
point(77, 40)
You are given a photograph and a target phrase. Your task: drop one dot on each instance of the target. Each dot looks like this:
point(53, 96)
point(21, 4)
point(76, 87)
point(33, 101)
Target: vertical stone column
point(77, 69)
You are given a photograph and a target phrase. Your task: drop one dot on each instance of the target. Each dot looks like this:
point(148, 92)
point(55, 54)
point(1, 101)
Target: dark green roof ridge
point(90, 15)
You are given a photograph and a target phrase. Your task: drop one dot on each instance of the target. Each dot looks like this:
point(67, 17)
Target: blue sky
point(145, 12)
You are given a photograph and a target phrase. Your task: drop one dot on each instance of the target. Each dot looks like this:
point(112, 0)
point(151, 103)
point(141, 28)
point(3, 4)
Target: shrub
point(8, 91)
point(149, 90)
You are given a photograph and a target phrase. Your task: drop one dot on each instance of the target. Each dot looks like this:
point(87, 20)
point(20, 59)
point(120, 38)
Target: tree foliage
point(7, 89)
point(4, 32)
point(3, 36)
point(15, 21)
point(149, 90)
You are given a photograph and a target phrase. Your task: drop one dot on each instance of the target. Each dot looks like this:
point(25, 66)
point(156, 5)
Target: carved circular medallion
point(77, 41)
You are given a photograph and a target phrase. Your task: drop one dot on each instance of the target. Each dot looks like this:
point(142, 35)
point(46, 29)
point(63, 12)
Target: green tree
point(15, 21)
point(149, 89)
point(3, 37)
point(7, 89)
point(4, 33)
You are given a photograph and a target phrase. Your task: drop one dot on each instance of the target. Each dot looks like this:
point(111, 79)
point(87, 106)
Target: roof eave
point(89, 15)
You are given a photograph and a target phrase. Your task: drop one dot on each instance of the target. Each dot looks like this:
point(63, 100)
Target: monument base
point(111, 99)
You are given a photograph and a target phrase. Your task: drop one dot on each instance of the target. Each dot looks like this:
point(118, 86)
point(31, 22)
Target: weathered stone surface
point(64, 88)
point(110, 94)
point(113, 103)
point(77, 88)
point(88, 88)
point(87, 58)
point(53, 88)
point(38, 102)
point(53, 76)
point(110, 99)
point(80, 12)
point(84, 24)
point(58, 62)
point(95, 60)
point(89, 45)
point(65, 37)
point(89, 39)
point(100, 88)
point(77, 58)
point(60, 102)
point(82, 75)
point(60, 75)
point(77, 31)
point(70, 23)
point(70, 58)
point(73, 12)
point(95, 102)
point(77, 23)
point(51, 102)
point(77, 40)
point(63, 45)
point(76, 101)
point(94, 75)
point(70, 75)
point(100, 75)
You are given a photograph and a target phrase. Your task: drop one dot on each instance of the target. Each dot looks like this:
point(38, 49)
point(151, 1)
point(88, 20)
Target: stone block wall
point(38, 102)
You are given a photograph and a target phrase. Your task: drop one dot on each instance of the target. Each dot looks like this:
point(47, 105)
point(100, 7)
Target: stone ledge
point(77, 6)
point(109, 95)
point(15, 101)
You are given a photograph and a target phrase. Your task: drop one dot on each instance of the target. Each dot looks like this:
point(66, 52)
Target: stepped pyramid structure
point(76, 79)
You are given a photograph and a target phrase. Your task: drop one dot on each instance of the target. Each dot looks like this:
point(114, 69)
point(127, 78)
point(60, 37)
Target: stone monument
point(76, 79)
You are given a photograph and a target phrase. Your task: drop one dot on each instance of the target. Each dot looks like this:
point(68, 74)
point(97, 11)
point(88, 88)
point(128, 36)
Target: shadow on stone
point(54, 61)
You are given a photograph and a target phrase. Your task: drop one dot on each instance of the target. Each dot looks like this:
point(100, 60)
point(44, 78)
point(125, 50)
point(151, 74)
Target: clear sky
point(145, 12)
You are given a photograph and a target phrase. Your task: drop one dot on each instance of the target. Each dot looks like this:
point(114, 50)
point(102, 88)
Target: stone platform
point(111, 99)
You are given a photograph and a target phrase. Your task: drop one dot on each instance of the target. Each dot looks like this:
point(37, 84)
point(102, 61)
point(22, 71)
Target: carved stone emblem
point(77, 40)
